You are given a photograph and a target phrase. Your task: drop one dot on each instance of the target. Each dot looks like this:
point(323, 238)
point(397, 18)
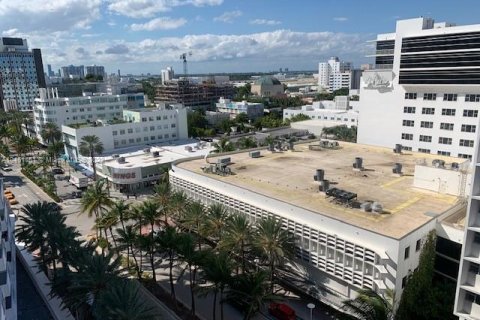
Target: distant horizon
point(224, 36)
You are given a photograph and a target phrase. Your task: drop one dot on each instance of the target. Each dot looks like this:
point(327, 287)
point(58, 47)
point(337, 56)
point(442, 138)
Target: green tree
point(247, 143)
point(341, 132)
point(149, 90)
point(223, 145)
point(368, 305)
point(96, 201)
point(241, 118)
point(167, 241)
point(298, 117)
point(274, 244)
point(91, 146)
point(126, 239)
point(197, 123)
point(237, 238)
point(217, 220)
point(51, 133)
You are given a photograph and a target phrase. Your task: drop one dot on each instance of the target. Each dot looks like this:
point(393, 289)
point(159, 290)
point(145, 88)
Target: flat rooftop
point(288, 176)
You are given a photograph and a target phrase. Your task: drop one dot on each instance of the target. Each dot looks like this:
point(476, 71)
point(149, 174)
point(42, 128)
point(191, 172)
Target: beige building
point(267, 86)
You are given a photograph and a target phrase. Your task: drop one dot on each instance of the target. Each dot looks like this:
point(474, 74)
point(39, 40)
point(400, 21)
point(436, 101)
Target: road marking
point(405, 204)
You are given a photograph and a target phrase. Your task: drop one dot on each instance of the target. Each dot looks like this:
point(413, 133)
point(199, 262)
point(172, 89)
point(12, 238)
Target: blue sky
point(141, 36)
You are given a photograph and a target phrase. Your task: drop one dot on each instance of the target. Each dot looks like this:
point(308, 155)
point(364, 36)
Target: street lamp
point(311, 306)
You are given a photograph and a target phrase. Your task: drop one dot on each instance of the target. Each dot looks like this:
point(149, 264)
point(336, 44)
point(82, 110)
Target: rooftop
point(267, 80)
point(288, 176)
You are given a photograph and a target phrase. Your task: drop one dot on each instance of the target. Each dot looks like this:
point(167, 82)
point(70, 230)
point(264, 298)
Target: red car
point(281, 311)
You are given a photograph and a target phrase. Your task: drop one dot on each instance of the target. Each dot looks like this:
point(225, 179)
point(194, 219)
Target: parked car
point(6, 169)
point(13, 201)
point(7, 191)
point(57, 171)
point(281, 311)
point(10, 196)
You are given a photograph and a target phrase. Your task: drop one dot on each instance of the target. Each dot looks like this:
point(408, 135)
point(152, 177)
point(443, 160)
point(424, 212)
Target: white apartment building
point(334, 74)
point(167, 74)
point(50, 108)
point(21, 74)
point(147, 126)
point(423, 92)
point(8, 272)
point(328, 113)
point(233, 108)
point(344, 248)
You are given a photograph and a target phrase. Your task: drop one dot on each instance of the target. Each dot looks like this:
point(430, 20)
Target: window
point(466, 143)
point(114, 132)
point(443, 153)
point(474, 268)
point(429, 96)
point(131, 140)
point(423, 150)
point(145, 138)
point(425, 138)
point(449, 97)
point(446, 126)
point(407, 253)
point(407, 136)
point(173, 125)
point(418, 245)
point(410, 95)
point(409, 109)
point(152, 128)
point(426, 124)
point(443, 140)
point(468, 128)
point(465, 156)
point(130, 130)
point(428, 110)
point(472, 98)
point(152, 138)
point(470, 113)
point(448, 112)
point(476, 237)
point(144, 119)
point(122, 131)
point(408, 123)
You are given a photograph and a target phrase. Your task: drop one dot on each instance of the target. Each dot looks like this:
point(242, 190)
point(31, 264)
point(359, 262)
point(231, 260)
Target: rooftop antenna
point(183, 57)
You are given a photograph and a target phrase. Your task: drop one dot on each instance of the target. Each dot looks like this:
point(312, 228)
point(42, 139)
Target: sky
point(145, 36)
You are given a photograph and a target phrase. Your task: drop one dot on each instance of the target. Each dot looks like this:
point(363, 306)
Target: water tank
point(319, 175)
point(121, 159)
point(398, 148)
point(324, 185)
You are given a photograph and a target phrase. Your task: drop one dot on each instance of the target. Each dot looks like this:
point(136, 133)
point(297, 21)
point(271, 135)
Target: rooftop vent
point(455, 166)
point(271, 147)
point(437, 163)
point(366, 206)
point(358, 164)
point(254, 154)
point(114, 156)
point(188, 148)
point(319, 175)
point(324, 185)
point(225, 160)
point(397, 168)
point(398, 148)
point(146, 150)
point(156, 154)
point(377, 207)
point(121, 159)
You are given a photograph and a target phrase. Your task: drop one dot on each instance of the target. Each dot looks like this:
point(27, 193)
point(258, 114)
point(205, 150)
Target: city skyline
point(224, 36)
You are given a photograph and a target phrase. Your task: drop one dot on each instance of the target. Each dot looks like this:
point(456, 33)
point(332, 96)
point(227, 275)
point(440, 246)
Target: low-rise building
point(267, 86)
point(50, 108)
point(234, 108)
point(147, 126)
point(364, 231)
point(215, 117)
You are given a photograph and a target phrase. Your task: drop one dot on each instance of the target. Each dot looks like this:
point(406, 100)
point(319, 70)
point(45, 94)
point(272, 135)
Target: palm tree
point(126, 239)
point(54, 150)
point(247, 143)
point(91, 146)
point(148, 244)
point(162, 197)
point(273, 243)
point(121, 210)
point(193, 218)
point(217, 219)
point(50, 133)
point(167, 241)
point(251, 292)
point(237, 237)
point(178, 203)
point(95, 201)
point(217, 269)
point(368, 305)
point(122, 301)
point(223, 145)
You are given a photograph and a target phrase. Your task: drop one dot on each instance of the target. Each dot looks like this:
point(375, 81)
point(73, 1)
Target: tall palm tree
point(223, 145)
point(251, 292)
point(54, 150)
point(50, 133)
point(167, 241)
point(193, 217)
point(91, 146)
point(237, 238)
point(162, 197)
point(148, 244)
point(126, 240)
point(121, 210)
point(274, 244)
point(217, 219)
point(122, 301)
point(368, 305)
point(217, 270)
point(95, 201)
point(178, 203)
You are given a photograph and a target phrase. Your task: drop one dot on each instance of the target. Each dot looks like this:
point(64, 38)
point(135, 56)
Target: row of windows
point(441, 140)
point(145, 139)
point(443, 125)
point(445, 111)
point(447, 153)
point(145, 129)
point(446, 96)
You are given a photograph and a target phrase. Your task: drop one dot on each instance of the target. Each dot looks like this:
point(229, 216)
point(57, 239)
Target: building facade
point(167, 74)
point(267, 86)
point(50, 108)
point(21, 74)
point(423, 92)
point(73, 72)
point(334, 74)
point(97, 71)
point(252, 110)
point(138, 127)
point(8, 273)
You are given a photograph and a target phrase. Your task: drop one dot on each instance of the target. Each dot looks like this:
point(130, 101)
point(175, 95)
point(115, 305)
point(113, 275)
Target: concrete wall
point(440, 180)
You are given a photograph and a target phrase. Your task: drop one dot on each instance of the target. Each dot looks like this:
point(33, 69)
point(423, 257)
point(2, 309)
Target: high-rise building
point(334, 74)
point(424, 90)
point(167, 74)
point(73, 72)
point(21, 74)
point(50, 72)
point(97, 71)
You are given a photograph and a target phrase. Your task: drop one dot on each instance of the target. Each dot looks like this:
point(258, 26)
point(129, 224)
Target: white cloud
point(228, 16)
point(149, 8)
point(36, 15)
point(265, 22)
point(340, 19)
point(162, 23)
point(10, 32)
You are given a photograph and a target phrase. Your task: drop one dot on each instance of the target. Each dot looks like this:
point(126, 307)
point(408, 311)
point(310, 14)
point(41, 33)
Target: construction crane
point(183, 57)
